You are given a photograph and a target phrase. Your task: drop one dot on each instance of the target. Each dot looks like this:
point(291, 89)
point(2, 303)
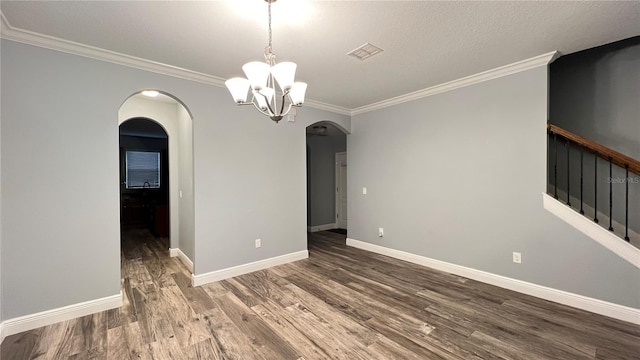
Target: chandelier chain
point(270, 34)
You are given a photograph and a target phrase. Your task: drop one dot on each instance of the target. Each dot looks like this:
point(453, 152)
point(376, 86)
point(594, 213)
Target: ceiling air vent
point(365, 51)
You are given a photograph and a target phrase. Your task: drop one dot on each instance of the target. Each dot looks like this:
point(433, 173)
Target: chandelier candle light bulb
point(261, 80)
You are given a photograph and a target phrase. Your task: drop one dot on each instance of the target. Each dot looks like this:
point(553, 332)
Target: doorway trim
point(341, 191)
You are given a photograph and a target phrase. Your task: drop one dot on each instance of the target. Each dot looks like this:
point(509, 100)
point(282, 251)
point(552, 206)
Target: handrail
point(604, 152)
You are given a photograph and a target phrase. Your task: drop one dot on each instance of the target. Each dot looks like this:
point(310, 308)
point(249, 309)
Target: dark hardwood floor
point(341, 303)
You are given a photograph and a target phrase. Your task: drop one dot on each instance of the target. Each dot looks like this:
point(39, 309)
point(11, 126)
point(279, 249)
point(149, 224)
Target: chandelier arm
point(252, 102)
point(274, 107)
point(255, 105)
point(266, 100)
point(273, 113)
point(247, 102)
point(284, 94)
point(288, 109)
point(258, 108)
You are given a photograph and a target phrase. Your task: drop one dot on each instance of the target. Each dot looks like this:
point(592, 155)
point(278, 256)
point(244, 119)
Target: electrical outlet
point(517, 258)
point(380, 232)
point(258, 243)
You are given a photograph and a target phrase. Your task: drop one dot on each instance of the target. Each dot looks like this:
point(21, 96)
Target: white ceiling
point(425, 43)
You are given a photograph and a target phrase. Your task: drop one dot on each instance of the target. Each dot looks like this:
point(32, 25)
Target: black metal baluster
point(581, 179)
point(568, 146)
point(555, 165)
point(610, 195)
point(626, 204)
point(595, 186)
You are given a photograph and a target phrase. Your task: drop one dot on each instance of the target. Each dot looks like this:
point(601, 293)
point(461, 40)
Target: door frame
point(340, 158)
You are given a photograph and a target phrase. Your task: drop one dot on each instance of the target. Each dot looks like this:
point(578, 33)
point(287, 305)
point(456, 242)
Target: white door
point(341, 190)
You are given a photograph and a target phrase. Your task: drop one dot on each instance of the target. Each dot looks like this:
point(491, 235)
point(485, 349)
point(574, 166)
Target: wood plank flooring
point(341, 303)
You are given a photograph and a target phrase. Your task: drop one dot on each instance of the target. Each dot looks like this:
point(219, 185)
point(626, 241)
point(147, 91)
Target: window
point(142, 169)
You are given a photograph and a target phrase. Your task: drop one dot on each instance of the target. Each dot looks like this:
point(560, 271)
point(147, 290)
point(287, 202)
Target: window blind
point(142, 169)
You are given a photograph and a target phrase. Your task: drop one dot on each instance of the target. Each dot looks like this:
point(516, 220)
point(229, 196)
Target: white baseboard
point(589, 212)
point(601, 307)
point(182, 257)
point(44, 318)
point(595, 231)
point(323, 227)
point(222, 274)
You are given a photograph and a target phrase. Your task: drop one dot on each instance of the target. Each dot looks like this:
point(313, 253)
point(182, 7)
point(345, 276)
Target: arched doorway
point(144, 177)
point(326, 177)
point(169, 215)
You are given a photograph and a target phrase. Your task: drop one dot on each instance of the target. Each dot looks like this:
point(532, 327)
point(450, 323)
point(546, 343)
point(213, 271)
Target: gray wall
point(441, 185)
point(185, 170)
point(595, 93)
point(57, 216)
point(321, 176)
point(256, 188)
point(1, 312)
point(249, 177)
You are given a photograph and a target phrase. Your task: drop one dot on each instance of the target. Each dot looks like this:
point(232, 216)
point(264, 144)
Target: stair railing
point(630, 165)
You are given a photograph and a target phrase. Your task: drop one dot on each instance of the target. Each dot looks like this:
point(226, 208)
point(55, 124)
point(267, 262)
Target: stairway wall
point(594, 93)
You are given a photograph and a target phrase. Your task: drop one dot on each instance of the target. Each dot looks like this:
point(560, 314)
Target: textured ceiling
point(425, 43)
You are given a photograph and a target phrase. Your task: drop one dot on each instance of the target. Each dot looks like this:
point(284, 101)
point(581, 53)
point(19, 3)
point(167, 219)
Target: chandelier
point(261, 80)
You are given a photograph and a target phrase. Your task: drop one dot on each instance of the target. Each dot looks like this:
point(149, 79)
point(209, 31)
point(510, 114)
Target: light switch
point(364, 191)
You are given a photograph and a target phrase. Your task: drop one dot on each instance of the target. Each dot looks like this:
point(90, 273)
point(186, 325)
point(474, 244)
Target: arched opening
point(156, 175)
point(326, 178)
point(144, 178)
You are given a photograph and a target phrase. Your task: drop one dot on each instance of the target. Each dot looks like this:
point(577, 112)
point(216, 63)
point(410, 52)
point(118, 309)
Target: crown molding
point(534, 62)
point(328, 107)
point(49, 42)
point(45, 41)
point(9, 32)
